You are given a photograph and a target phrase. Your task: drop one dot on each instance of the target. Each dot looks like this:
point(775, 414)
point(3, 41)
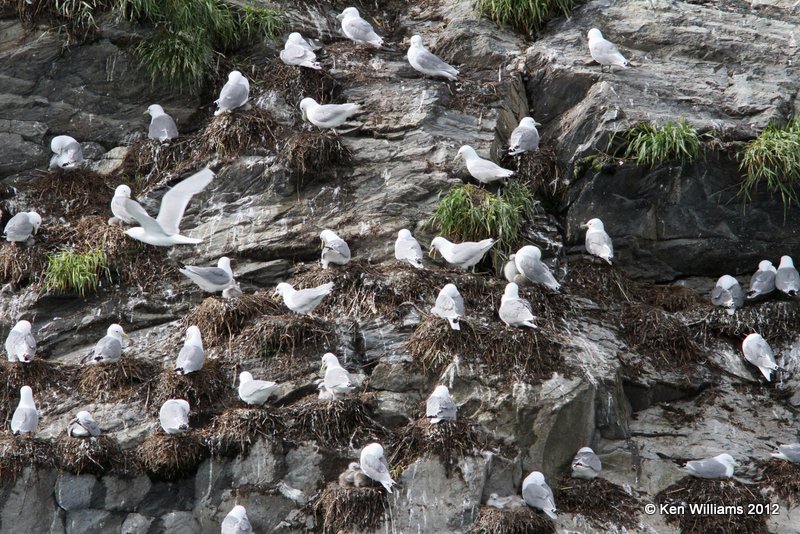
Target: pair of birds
point(728, 293)
point(514, 310)
point(526, 266)
point(26, 418)
point(372, 467)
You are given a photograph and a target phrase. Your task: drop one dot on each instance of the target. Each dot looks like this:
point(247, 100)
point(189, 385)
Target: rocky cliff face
point(647, 375)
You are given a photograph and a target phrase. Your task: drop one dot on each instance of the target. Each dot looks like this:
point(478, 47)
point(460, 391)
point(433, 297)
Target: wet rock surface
point(644, 400)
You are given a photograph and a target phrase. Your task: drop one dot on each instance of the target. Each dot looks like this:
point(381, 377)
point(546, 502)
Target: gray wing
point(523, 139)
point(761, 283)
point(232, 96)
point(791, 451)
point(787, 279)
point(447, 307)
point(338, 246)
point(329, 113)
point(175, 200)
point(517, 310)
point(469, 252)
point(232, 525)
point(91, 426)
point(599, 244)
point(360, 30)
point(314, 292)
point(375, 468)
point(484, 167)
point(536, 271)
point(297, 55)
point(20, 344)
point(18, 228)
point(24, 420)
point(607, 52)
point(408, 249)
point(431, 62)
point(720, 296)
point(190, 359)
point(255, 387)
point(737, 294)
point(708, 468)
point(590, 460)
point(163, 128)
point(537, 496)
point(337, 377)
point(108, 349)
point(442, 408)
point(212, 275)
point(760, 354)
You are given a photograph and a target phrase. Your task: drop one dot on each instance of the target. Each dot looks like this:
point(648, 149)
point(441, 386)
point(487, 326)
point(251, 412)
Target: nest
point(220, 319)
point(111, 381)
point(150, 159)
point(19, 452)
point(296, 83)
point(337, 423)
point(171, 457)
point(599, 500)
point(450, 441)
point(519, 521)
point(542, 172)
point(593, 278)
point(80, 192)
point(203, 389)
point(39, 374)
point(651, 331)
point(349, 509)
point(228, 135)
point(19, 263)
point(94, 456)
point(312, 153)
point(783, 478)
point(282, 343)
point(775, 320)
point(717, 493)
point(512, 352)
point(234, 431)
point(670, 298)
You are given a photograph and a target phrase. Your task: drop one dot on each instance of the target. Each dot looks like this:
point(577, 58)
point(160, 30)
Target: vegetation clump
point(17, 453)
point(591, 499)
point(525, 15)
point(349, 509)
point(773, 158)
point(220, 318)
point(519, 521)
point(202, 389)
point(337, 422)
point(94, 456)
point(109, 381)
point(470, 213)
point(77, 272)
point(171, 457)
point(781, 477)
point(653, 332)
point(651, 145)
point(309, 153)
point(449, 441)
point(234, 431)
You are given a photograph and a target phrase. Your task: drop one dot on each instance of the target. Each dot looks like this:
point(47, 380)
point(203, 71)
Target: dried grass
point(234, 431)
point(449, 441)
point(21, 264)
point(775, 320)
point(312, 153)
point(670, 298)
point(718, 493)
point(599, 500)
point(204, 389)
point(295, 83)
point(782, 478)
point(228, 135)
point(542, 172)
point(106, 382)
point(520, 521)
point(219, 319)
point(17, 453)
point(653, 332)
point(336, 423)
point(339, 509)
point(39, 374)
point(93, 456)
point(171, 457)
point(594, 279)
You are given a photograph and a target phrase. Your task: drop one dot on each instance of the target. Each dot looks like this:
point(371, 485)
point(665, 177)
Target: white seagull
point(524, 138)
point(121, 194)
point(25, 417)
point(174, 416)
point(483, 170)
point(758, 352)
point(440, 406)
point(374, 465)
point(515, 311)
point(763, 280)
point(303, 301)
point(164, 231)
point(67, 153)
point(537, 494)
point(83, 426)
point(334, 249)
point(162, 126)
point(22, 226)
point(728, 294)
point(720, 466)
point(192, 356)
point(337, 380)
point(449, 306)
point(211, 279)
point(357, 29)
point(234, 93)
point(586, 464)
point(605, 52)
point(109, 348)
point(406, 248)
point(428, 63)
point(255, 392)
point(297, 52)
point(787, 279)
point(528, 262)
point(327, 115)
point(598, 243)
point(236, 522)
point(463, 255)
point(20, 343)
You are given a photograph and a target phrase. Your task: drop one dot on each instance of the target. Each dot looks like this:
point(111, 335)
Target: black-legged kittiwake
point(537, 494)
point(255, 392)
point(762, 282)
point(334, 249)
point(327, 115)
point(299, 53)
point(720, 466)
point(83, 426)
point(109, 348)
point(483, 170)
point(164, 231)
point(192, 356)
point(357, 29)
point(67, 153)
point(374, 465)
point(463, 255)
point(236, 522)
point(211, 279)
point(586, 464)
point(25, 417)
point(758, 352)
point(336, 379)
point(303, 301)
point(22, 226)
point(605, 52)
point(440, 406)
point(121, 194)
point(515, 311)
point(524, 138)
point(790, 452)
point(787, 279)
point(449, 306)
point(528, 261)
point(406, 248)
point(234, 93)
point(727, 294)
point(429, 64)
point(598, 242)
point(162, 126)
point(20, 343)
point(174, 416)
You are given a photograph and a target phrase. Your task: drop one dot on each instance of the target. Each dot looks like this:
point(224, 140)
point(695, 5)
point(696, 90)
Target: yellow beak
point(277, 297)
point(584, 225)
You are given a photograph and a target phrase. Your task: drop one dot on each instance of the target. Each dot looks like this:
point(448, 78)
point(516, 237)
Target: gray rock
point(179, 523)
point(75, 492)
point(136, 524)
point(91, 521)
point(125, 494)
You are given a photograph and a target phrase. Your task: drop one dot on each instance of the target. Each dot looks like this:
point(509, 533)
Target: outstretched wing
point(175, 200)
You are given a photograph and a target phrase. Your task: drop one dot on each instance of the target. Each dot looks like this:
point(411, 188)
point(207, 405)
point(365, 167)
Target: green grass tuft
point(469, 213)
point(650, 145)
point(525, 15)
point(259, 23)
point(773, 157)
point(185, 57)
point(68, 270)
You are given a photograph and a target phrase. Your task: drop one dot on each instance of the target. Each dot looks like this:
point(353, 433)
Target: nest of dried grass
point(775, 320)
point(336, 423)
point(519, 521)
point(296, 83)
point(228, 135)
point(599, 500)
point(519, 352)
point(450, 441)
point(39, 374)
point(172, 457)
point(598, 281)
point(312, 153)
point(220, 319)
point(94, 456)
point(670, 298)
point(781, 477)
point(21, 264)
point(203, 390)
point(285, 344)
point(651, 331)
point(81, 192)
point(716, 493)
point(234, 431)
point(338, 509)
point(110, 381)
point(150, 159)
point(17, 453)
point(542, 172)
